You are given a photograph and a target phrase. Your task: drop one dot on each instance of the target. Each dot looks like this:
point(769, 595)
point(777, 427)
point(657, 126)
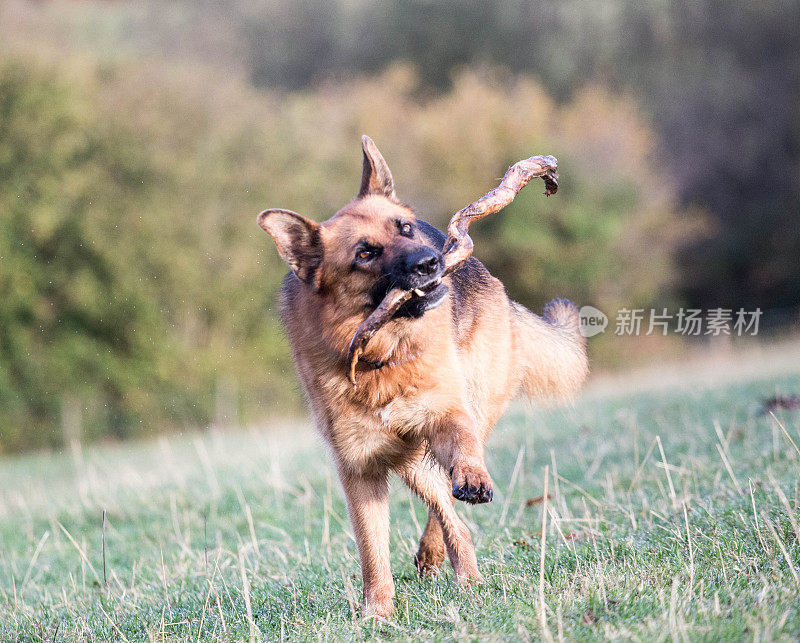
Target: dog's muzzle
point(420, 272)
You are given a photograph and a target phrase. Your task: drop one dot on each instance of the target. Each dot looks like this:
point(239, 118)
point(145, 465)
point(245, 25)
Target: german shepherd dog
point(432, 383)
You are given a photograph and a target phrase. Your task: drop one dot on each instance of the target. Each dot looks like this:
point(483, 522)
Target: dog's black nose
point(423, 263)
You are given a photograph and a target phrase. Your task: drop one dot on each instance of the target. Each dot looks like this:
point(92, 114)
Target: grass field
point(673, 513)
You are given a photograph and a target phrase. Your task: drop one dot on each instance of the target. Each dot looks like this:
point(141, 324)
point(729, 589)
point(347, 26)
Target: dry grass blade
point(254, 631)
point(782, 547)
point(785, 432)
point(105, 579)
point(111, 622)
point(35, 556)
point(542, 604)
point(81, 552)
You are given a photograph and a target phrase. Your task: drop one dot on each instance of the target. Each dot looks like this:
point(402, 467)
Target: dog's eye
point(406, 229)
point(367, 253)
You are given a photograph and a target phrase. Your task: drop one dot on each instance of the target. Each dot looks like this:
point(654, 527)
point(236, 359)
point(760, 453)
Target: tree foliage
point(136, 283)
point(78, 316)
point(720, 82)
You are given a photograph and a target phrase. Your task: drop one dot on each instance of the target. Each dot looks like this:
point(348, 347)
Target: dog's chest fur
point(388, 434)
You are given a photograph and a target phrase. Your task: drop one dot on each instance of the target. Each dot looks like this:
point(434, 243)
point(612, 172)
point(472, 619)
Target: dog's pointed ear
point(298, 240)
point(376, 178)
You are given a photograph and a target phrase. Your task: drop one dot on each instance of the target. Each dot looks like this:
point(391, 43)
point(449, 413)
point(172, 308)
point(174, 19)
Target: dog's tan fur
point(446, 377)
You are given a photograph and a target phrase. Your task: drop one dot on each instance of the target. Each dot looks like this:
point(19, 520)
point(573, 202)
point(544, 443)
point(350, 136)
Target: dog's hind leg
point(445, 531)
point(431, 552)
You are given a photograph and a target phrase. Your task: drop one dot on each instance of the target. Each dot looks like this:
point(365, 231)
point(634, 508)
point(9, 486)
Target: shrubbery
point(135, 280)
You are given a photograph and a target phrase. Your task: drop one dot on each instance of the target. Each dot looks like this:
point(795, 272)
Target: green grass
point(225, 535)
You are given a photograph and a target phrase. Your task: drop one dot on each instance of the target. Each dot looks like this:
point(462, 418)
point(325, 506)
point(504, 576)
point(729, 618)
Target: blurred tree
point(722, 83)
point(607, 238)
point(78, 317)
point(724, 86)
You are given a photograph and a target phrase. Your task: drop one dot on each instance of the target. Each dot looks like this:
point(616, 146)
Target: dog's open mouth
point(432, 294)
point(423, 299)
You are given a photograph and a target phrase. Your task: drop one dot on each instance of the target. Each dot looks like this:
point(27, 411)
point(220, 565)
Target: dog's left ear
point(297, 238)
point(375, 177)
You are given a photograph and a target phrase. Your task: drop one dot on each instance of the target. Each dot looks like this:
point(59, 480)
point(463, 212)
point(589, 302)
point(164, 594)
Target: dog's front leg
point(455, 444)
point(368, 506)
point(444, 529)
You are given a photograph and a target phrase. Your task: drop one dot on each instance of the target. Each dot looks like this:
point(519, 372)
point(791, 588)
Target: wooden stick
point(458, 246)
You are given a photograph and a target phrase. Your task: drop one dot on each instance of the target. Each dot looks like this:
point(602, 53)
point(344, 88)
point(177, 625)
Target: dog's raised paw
point(471, 484)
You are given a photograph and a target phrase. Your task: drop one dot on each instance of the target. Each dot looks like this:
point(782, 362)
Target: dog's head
point(370, 246)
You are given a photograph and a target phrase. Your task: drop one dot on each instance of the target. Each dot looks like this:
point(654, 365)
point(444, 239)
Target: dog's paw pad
point(472, 485)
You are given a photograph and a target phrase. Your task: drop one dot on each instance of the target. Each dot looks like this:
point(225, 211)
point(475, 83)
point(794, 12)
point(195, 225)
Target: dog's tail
point(550, 350)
